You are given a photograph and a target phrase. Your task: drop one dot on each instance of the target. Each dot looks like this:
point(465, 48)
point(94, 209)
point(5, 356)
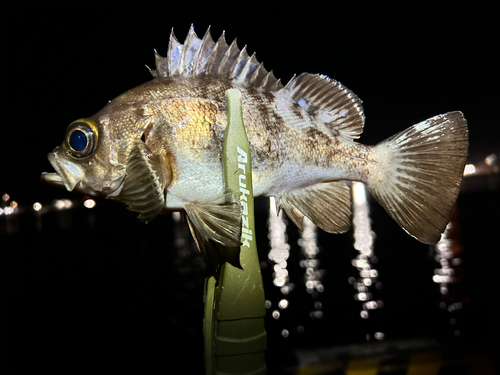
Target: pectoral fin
point(328, 205)
point(216, 228)
point(144, 183)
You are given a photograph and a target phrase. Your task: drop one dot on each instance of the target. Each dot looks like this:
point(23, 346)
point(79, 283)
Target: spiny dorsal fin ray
point(189, 52)
point(198, 57)
point(206, 46)
point(174, 53)
point(228, 59)
point(324, 99)
point(328, 102)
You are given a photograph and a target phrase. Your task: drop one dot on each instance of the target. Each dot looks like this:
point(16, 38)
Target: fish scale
point(158, 146)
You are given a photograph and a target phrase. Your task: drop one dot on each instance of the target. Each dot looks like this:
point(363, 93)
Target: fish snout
point(68, 174)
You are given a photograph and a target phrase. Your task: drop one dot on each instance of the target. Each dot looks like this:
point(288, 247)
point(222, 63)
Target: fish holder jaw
point(235, 336)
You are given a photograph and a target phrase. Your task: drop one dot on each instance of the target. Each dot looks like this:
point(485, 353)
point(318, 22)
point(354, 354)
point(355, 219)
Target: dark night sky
point(406, 63)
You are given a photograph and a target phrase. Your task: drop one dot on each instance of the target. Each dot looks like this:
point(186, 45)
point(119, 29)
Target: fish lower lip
point(52, 179)
point(66, 175)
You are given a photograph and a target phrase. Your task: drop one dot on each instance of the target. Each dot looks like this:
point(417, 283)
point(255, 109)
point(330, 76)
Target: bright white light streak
point(363, 235)
point(358, 194)
point(308, 243)
point(280, 249)
point(363, 242)
point(313, 275)
point(446, 275)
point(444, 256)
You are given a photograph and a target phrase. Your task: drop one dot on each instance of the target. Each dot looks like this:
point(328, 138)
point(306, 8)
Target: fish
point(158, 148)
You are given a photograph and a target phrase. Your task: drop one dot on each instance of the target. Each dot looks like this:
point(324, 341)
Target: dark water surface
point(95, 289)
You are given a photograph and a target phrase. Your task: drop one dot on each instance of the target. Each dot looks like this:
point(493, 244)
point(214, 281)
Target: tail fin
point(419, 173)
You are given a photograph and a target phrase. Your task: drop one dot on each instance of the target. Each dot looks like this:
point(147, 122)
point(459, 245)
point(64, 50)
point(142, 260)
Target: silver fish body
point(188, 124)
point(158, 147)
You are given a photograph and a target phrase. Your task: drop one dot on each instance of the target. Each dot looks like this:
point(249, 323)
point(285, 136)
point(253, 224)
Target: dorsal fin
point(198, 57)
point(328, 102)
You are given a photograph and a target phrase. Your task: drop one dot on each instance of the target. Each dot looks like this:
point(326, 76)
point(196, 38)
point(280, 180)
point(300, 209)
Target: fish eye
point(81, 138)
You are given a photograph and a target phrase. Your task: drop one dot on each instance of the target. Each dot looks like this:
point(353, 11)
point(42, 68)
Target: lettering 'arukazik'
point(246, 233)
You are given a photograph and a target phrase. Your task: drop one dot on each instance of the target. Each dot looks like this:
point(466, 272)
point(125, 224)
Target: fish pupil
point(78, 140)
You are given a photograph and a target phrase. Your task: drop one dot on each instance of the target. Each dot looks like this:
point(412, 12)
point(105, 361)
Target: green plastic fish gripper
point(235, 337)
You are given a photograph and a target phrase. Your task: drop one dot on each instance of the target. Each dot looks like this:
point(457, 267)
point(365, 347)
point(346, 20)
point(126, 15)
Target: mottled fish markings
point(158, 147)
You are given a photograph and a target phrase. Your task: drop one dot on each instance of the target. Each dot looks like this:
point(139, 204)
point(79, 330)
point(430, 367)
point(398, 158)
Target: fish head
point(109, 155)
point(92, 157)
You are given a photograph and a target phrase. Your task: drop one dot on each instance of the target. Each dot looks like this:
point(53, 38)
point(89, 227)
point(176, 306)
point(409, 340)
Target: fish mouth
point(67, 175)
point(52, 179)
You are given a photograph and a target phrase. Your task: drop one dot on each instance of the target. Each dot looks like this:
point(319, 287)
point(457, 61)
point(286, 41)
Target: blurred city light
point(89, 203)
point(469, 169)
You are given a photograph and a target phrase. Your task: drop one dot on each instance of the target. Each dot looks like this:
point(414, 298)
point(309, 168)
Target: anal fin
point(328, 205)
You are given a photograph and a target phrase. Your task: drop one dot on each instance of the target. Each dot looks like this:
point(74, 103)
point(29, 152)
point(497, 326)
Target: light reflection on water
point(363, 243)
point(278, 254)
point(365, 283)
point(308, 243)
point(313, 274)
point(279, 249)
point(447, 254)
